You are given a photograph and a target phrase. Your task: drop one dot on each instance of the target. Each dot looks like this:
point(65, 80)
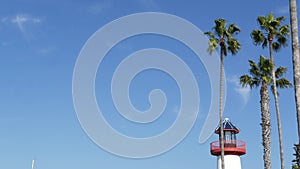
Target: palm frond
point(220, 27)
point(276, 46)
point(280, 71)
point(246, 80)
point(262, 73)
point(233, 45)
point(271, 26)
point(254, 69)
point(212, 42)
point(261, 21)
point(265, 66)
point(259, 38)
point(213, 45)
point(270, 16)
point(297, 154)
point(283, 83)
point(256, 81)
point(282, 40)
point(210, 34)
point(233, 29)
point(284, 30)
point(267, 79)
point(280, 18)
point(223, 37)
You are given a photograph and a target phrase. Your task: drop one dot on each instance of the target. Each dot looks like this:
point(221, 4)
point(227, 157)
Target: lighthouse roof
point(227, 126)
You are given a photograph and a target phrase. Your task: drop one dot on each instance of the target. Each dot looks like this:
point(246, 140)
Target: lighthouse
point(233, 148)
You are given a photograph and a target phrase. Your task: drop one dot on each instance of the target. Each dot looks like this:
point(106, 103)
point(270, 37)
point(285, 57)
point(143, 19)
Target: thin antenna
point(32, 164)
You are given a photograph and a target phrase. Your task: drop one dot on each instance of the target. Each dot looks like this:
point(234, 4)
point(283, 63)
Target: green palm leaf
point(223, 37)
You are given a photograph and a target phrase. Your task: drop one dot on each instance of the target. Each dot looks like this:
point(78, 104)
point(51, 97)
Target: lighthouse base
point(231, 162)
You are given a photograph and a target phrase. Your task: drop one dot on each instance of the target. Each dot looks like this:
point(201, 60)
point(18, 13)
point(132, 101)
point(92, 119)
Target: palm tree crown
point(261, 73)
point(271, 31)
point(224, 37)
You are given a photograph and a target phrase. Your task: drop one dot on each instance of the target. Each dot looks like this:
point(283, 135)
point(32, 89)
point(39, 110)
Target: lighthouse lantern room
point(233, 148)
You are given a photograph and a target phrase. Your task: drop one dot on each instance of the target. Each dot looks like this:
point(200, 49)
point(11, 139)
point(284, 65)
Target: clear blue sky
point(40, 42)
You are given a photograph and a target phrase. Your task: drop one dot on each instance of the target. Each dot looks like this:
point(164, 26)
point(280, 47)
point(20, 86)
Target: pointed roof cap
point(227, 126)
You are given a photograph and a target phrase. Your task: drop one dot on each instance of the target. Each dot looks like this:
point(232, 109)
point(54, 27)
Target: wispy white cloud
point(244, 92)
point(21, 20)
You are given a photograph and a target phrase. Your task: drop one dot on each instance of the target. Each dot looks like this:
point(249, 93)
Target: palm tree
point(296, 60)
point(297, 155)
point(273, 35)
point(295, 166)
point(223, 37)
point(261, 75)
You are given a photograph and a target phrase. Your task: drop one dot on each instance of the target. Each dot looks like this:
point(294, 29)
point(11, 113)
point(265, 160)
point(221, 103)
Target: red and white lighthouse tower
point(233, 148)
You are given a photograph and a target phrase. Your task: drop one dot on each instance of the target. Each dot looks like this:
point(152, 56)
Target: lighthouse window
point(228, 136)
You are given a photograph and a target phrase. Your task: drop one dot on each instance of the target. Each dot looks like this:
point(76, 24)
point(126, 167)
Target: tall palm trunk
point(276, 105)
point(220, 108)
point(296, 58)
point(265, 124)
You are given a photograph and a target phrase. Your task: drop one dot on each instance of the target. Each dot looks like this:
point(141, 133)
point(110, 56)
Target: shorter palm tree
point(274, 34)
point(261, 75)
